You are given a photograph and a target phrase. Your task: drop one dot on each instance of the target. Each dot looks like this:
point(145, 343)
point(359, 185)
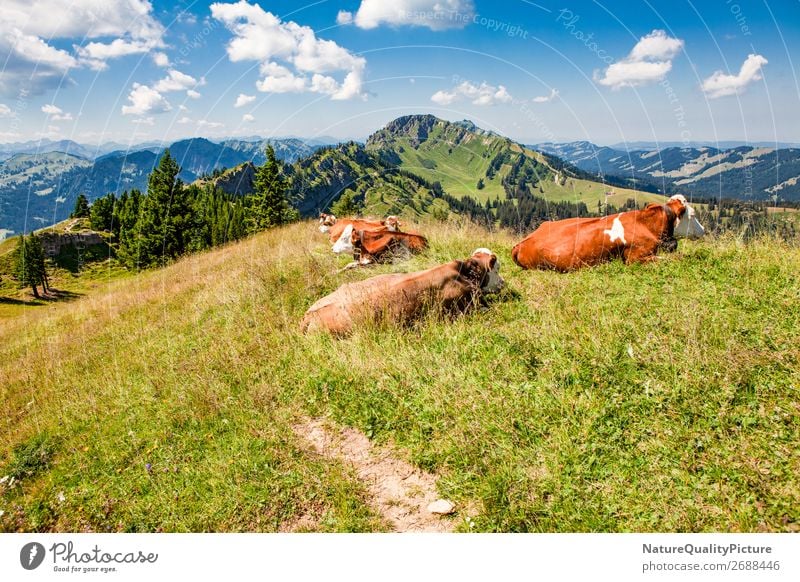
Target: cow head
point(326, 221)
point(485, 264)
point(345, 242)
point(686, 225)
point(392, 223)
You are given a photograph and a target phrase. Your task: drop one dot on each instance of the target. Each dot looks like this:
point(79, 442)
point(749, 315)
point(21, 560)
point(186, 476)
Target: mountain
point(467, 160)
point(744, 172)
point(722, 145)
point(319, 180)
point(37, 189)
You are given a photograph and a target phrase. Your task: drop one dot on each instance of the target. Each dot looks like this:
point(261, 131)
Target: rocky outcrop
point(54, 242)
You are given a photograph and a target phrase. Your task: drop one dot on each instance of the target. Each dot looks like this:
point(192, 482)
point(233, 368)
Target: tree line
point(170, 219)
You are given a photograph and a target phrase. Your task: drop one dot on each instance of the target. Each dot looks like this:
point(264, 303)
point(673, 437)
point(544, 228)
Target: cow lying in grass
point(401, 298)
point(382, 246)
point(635, 236)
point(335, 227)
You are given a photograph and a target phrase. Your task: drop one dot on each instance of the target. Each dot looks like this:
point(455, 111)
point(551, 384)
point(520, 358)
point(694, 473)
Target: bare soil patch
point(400, 492)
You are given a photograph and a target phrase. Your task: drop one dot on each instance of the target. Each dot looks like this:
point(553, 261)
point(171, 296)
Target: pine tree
point(81, 209)
point(269, 206)
point(164, 215)
point(101, 213)
point(30, 269)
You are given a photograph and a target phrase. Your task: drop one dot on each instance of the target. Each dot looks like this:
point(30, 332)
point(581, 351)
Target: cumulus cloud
point(55, 113)
point(161, 59)
point(289, 53)
point(248, 118)
point(200, 123)
point(545, 98)
point(649, 61)
point(176, 81)
point(144, 100)
point(243, 100)
point(5, 110)
point(28, 31)
point(483, 94)
point(344, 17)
point(433, 14)
point(721, 85)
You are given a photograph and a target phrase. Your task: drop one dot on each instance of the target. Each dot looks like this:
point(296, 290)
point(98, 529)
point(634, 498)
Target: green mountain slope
point(459, 155)
point(320, 179)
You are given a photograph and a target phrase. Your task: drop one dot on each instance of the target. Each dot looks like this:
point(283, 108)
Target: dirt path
point(400, 492)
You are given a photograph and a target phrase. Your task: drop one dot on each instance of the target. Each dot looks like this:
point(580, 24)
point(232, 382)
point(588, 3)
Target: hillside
point(645, 398)
point(743, 172)
point(320, 179)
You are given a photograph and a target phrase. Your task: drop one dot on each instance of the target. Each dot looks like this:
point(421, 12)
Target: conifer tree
point(81, 209)
point(30, 269)
point(269, 206)
point(101, 213)
point(164, 215)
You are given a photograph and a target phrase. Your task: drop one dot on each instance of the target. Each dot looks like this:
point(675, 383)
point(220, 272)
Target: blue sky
point(608, 72)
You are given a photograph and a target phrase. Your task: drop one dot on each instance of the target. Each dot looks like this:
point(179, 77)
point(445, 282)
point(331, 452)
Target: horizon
point(535, 72)
point(333, 140)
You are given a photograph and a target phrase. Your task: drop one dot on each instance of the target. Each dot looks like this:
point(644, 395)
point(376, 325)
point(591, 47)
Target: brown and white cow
point(384, 245)
point(635, 236)
point(400, 298)
point(335, 227)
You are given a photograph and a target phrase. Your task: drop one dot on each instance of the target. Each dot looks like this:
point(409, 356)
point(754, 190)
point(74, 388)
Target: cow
point(401, 298)
point(635, 236)
point(384, 245)
point(334, 227)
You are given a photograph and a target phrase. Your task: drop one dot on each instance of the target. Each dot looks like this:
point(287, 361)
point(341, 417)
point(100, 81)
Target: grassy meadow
point(659, 397)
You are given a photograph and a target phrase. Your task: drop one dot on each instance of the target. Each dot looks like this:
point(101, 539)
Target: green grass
point(658, 397)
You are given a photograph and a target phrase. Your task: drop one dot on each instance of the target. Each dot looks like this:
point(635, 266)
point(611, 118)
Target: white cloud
point(203, 124)
point(5, 110)
point(185, 120)
point(161, 59)
point(243, 100)
point(433, 14)
point(262, 36)
point(248, 118)
point(545, 98)
point(649, 61)
point(55, 113)
point(145, 100)
point(444, 97)
point(344, 17)
point(144, 121)
point(28, 31)
point(483, 94)
point(175, 81)
point(721, 85)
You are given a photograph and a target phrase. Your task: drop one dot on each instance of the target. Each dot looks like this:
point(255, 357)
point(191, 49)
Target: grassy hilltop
point(658, 397)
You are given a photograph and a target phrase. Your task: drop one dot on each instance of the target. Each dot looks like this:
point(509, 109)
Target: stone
point(442, 507)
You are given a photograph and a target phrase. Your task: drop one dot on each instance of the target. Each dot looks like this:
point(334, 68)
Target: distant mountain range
point(743, 172)
point(39, 187)
point(395, 170)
